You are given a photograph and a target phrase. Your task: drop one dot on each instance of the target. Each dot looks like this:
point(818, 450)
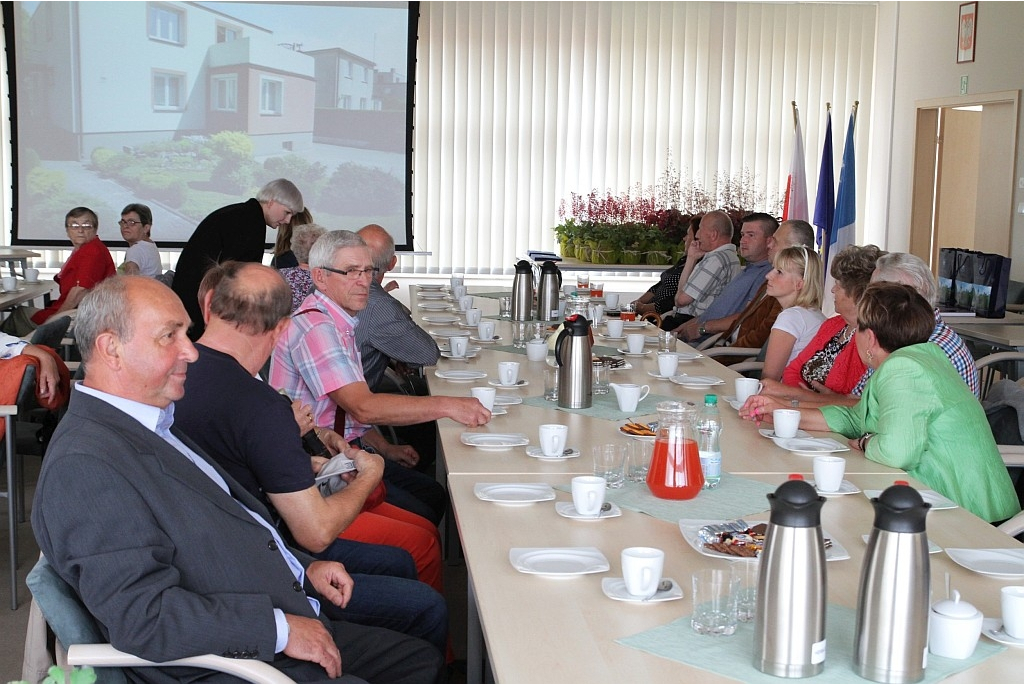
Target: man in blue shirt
point(755, 232)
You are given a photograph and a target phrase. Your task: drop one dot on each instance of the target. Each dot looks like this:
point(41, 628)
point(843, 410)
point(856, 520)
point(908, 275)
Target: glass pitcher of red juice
point(675, 471)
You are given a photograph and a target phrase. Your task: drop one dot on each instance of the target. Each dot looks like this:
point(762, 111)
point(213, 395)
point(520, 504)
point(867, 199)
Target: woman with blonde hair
point(796, 282)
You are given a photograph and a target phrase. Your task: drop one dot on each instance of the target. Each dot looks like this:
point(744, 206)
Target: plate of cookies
point(738, 540)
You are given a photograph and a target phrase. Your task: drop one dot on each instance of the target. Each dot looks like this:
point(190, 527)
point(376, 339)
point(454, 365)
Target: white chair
point(1013, 527)
point(77, 631)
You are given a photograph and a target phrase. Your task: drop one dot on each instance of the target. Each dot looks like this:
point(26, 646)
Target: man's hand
point(335, 443)
point(468, 411)
point(404, 454)
point(49, 377)
point(688, 331)
point(332, 581)
point(694, 251)
point(369, 465)
point(308, 640)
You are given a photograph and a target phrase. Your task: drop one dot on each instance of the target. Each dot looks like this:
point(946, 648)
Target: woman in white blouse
point(796, 282)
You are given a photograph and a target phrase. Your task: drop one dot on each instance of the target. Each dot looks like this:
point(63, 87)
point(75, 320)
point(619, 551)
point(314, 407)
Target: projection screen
point(190, 106)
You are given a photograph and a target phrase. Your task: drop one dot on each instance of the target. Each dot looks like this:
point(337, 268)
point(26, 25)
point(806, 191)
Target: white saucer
point(611, 337)
point(770, 434)
point(35, 282)
point(845, 488)
point(654, 374)
point(568, 510)
point(992, 628)
point(522, 382)
point(733, 402)
point(448, 355)
point(498, 411)
point(506, 400)
point(615, 588)
point(633, 354)
point(475, 339)
point(536, 453)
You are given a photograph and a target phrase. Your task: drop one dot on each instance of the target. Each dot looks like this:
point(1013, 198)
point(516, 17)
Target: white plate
point(626, 352)
point(446, 332)
point(433, 306)
point(494, 442)
point(558, 561)
point(930, 496)
point(440, 318)
point(498, 411)
point(448, 355)
point(811, 446)
point(845, 488)
point(615, 588)
point(688, 356)
point(642, 438)
point(611, 337)
point(690, 528)
point(538, 453)
point(506, 400)
point(770, 434)
point(733, 402)
point(634, 324)
point(932, 547)
point(431, 295)
point(495, 339)
point(430, 286)
point(514, 493)
point(1000, 563)
point(460, 376)
point(696, 382)
point(568, 510)
point(992, 628)
point(521, 383)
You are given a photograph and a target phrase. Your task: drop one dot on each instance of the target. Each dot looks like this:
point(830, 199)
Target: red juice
point(675, 471)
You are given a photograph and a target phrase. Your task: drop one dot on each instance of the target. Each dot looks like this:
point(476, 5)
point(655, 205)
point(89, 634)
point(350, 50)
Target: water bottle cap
point(900, 509)
point(711, 399)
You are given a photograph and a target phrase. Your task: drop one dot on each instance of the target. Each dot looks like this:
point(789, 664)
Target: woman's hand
point(303, 414)
point(759, 408)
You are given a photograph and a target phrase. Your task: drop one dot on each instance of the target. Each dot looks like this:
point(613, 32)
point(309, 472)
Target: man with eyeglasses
point(317, 362)
point(236, 232)
point(89, 264)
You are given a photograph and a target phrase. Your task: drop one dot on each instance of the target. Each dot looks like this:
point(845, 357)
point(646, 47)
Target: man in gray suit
point(166, 550)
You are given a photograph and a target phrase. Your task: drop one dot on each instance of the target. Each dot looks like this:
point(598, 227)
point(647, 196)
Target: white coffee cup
point(466, 302)
point(10, 283)
point(628, 395)
point(745, 387)
point(614, 327)
point(635, 343)
point(588, 494)
point(611, 300)
point(456, 281)
point(473, 316)
point(485, 330)
point(552, 439)
point(508, 373)
point(485, 395)
point(536, 350)
point(786, 422)
point(458, 345)
point(1012, 603)
point(641, 570)
point(31, 275)
point(458, 291)
point(668, 363)
point(828, 473)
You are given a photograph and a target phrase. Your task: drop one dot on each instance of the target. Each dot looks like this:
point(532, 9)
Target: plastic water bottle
point(709, 429)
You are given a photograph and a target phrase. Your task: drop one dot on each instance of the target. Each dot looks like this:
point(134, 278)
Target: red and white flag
point(795, 206)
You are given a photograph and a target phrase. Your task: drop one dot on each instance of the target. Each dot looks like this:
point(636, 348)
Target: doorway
point(964, 157)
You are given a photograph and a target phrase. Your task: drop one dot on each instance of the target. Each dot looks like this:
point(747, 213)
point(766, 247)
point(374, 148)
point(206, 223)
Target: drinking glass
point(519, 334)
point(714, 602)
point(638, 460)
point(551, 385)
point(599, 378)
point(609, 464)
point(745, 572)
point(582, 281)
point(505, 306)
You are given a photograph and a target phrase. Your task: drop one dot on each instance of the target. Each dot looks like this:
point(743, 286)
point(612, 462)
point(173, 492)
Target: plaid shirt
point(317, 355)
point(709, 277)
point(954, 347)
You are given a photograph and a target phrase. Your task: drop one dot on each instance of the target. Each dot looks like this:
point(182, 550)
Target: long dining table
point(530, 628)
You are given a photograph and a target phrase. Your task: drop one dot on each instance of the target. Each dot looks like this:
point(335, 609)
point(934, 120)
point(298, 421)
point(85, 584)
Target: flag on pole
point(795, 206)
point(844, 223)
point(824, 201)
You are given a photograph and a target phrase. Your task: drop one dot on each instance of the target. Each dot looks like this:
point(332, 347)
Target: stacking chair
point(78, 633)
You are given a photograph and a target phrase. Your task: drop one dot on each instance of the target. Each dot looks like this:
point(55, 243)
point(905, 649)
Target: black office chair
point(51, 332)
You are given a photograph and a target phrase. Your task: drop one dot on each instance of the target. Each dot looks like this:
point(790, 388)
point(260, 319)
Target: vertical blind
point(520, 104)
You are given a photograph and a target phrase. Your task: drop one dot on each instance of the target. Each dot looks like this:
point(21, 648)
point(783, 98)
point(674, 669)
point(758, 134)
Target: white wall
point(925, 59)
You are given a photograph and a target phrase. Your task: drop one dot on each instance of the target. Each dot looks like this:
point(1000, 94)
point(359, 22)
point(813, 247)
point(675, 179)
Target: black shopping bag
point(964, 285)
point(991, 280)
point(947, 276)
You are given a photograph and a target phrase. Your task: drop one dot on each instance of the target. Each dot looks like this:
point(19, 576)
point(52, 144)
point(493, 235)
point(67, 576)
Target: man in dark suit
point(166, 550)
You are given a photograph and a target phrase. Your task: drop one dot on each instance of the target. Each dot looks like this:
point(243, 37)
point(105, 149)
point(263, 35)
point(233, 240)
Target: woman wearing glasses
point(90, 262)
point(142, 258)
point(796, 282)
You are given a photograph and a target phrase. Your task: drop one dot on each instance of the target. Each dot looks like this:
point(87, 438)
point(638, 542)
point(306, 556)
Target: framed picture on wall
point(967, 34)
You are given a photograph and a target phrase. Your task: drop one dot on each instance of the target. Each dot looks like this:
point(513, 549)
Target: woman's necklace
point(847, 333)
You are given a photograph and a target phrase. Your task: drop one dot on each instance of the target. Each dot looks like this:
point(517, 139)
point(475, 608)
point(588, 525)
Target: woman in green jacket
point(916, 413)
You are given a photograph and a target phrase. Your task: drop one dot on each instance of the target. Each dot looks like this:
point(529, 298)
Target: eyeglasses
point(128, 222)
point(352, 273)
point(78, 227)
